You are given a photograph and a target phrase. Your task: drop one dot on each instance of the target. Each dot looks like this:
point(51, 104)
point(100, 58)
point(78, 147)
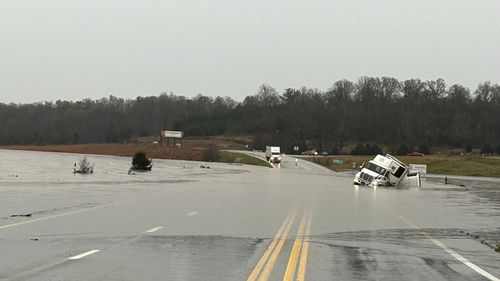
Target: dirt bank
point(192, 149)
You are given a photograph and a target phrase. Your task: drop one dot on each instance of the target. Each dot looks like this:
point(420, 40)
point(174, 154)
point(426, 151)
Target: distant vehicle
point(324, 153)
point(273, 154)
point(415, 153)
point(386, 171)
point(310, 152)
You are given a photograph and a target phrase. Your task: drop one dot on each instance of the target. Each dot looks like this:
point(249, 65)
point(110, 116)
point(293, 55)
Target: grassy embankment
point(436, 164)
point(234, 157)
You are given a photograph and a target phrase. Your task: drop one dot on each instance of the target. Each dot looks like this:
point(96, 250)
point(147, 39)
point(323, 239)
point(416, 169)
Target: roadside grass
point(436, 164)
point(235, 157)
point(471, 166)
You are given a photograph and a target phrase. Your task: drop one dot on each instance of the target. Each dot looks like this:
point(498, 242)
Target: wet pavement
point(236, 222)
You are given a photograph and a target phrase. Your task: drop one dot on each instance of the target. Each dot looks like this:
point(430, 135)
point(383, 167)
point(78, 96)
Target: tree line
point(377, 110)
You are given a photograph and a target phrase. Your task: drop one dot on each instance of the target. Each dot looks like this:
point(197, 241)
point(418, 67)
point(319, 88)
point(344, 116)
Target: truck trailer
point(386, 171)
point(273, 154)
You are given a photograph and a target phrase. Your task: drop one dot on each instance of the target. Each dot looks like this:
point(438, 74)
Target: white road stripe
point(454, 254)
point(464, 260)
point(61, 215)
point(46, 218)
point(83, 255)
point(154, 229)
point(191, 214)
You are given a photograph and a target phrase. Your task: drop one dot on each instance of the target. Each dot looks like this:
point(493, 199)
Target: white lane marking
point(465, 261)
point(46, 218)
point(407, 221)
point(83, 255)
point(191, 214)
point(454, 254)
point(63, 214)
point(154, 229)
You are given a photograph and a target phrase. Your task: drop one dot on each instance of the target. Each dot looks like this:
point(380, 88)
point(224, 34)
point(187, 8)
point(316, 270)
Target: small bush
point(141, 162)
point(84, 167)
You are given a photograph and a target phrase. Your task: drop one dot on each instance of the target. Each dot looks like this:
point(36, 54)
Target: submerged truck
point(273, 154)
point(386, 171)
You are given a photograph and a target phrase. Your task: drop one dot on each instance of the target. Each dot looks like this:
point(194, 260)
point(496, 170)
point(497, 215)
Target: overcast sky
point(71, 49)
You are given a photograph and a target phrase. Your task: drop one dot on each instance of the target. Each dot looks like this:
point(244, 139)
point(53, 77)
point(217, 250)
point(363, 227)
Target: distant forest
point(381, 111)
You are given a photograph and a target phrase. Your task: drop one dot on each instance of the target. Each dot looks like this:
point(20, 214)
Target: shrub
point(84, 167)
point(141, 162)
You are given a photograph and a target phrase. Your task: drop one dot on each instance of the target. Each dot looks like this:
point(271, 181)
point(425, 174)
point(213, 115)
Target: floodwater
point(181, 221)
point(50, 167)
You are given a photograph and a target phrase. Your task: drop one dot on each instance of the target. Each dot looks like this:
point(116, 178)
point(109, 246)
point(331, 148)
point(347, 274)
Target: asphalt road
point(229, 222)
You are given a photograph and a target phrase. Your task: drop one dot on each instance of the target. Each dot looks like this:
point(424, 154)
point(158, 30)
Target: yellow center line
point(304, 251)
point(264, 276)
point(296, 248)
point(260, 264)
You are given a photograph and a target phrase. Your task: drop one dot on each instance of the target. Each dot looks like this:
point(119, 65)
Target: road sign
point(172, 134)
point(175, 136)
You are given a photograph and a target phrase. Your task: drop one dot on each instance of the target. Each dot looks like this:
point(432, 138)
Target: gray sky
point(71, 49)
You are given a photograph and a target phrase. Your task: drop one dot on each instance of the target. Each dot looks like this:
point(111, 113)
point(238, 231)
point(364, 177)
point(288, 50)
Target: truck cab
point(273, 154)
point(386, 170)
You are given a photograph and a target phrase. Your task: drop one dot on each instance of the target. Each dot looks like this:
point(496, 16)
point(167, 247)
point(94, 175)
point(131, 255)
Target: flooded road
point(233, 222)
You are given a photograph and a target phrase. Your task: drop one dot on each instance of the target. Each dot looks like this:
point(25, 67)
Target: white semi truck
point(273, 154)
point(386, 171)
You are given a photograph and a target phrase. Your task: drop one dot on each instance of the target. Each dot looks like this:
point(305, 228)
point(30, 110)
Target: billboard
point(172, 134)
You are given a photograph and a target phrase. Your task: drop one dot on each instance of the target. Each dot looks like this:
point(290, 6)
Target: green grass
point(436, 164)
point(471, 166)
point(235, 157)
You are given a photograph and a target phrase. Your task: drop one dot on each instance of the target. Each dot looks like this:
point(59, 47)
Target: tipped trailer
point(386, 171)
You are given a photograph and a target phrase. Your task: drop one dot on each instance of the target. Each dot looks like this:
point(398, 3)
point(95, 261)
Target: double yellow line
point(299, 251)
point(263, 268)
